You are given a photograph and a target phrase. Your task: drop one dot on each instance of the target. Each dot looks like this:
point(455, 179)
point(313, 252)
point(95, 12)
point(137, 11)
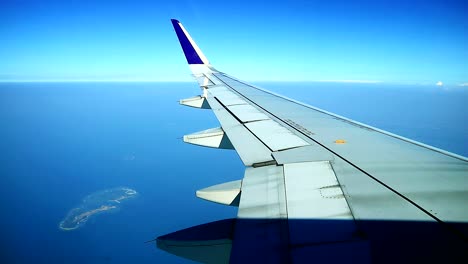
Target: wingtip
point(192, 53)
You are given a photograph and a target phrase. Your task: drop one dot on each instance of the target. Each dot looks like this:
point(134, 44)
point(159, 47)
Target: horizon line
point(184, 81)
point(347, 81)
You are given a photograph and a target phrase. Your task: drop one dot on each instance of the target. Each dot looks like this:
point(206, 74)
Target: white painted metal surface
point(384, 178)
point(275, 136)
point(302, 154)
point(199, 70)
point(248, 147)
point(247, 113)
point(196, 102)
point(313, 192)
point(229, 99)
point(225, 193)
point(405, 179)
point(203, 80)
point(213, 138)
point(263, 194)
point(226, 96)
point(217, 89)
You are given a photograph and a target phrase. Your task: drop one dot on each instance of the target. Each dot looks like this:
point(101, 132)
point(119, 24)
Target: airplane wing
point(318, 186)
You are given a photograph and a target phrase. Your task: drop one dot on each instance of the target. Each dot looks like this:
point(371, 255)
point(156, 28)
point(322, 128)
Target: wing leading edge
point(318, 186)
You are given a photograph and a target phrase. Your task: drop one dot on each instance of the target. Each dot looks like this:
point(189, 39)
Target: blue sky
point(417, 42)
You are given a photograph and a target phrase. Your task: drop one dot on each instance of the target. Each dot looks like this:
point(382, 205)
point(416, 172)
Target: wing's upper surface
point(318, 186)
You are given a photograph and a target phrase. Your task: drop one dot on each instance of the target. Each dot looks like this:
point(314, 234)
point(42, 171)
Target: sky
point(415, 42)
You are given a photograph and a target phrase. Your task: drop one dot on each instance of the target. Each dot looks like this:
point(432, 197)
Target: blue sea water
point(63, 141)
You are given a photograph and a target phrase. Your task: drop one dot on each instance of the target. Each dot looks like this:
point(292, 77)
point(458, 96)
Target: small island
point(98, 202)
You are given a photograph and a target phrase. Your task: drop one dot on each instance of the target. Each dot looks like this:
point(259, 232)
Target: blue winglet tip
point(190, 53)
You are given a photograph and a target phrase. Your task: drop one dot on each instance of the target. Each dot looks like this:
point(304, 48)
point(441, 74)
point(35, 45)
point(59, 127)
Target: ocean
point(61, 142)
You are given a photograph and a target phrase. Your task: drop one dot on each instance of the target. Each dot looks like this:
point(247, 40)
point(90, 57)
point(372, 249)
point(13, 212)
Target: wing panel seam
point(347, 161)
point(346, 120)
point(242, 123)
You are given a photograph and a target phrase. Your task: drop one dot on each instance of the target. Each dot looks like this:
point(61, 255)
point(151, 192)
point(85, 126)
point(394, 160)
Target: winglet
point(193, 54)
